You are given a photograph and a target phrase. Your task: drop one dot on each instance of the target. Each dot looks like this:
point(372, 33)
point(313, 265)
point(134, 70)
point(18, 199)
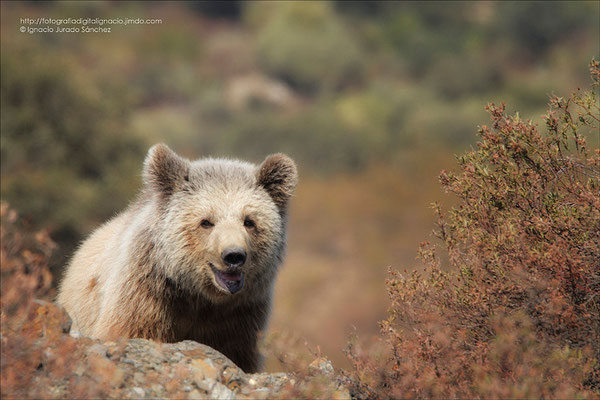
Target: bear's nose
point(234, 257)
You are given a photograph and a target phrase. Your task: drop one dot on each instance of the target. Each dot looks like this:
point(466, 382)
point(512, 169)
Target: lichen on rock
point(41, 360)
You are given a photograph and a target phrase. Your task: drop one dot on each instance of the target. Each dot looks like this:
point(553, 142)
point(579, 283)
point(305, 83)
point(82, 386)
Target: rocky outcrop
point(40, 359)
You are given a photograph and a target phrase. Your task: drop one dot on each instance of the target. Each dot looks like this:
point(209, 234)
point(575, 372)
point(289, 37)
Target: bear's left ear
point(164, 170)
point(278, 176)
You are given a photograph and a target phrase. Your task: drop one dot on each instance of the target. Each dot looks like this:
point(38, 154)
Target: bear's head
point(220, 224)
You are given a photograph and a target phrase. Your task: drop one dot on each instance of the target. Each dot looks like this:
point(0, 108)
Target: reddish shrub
point(24, 267)
point(516, 312)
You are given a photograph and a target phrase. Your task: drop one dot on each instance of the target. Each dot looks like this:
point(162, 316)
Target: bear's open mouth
point(232, 281)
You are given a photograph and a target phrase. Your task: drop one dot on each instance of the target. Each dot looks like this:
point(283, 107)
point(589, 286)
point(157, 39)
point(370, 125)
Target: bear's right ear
point(164, 170)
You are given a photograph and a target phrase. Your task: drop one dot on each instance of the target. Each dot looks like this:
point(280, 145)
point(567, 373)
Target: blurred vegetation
point(63, 143)
point(306, 45)
point(370, 98)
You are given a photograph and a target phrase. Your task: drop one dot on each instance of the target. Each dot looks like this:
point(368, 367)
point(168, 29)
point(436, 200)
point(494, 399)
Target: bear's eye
point(206, 224)
point(249, 223)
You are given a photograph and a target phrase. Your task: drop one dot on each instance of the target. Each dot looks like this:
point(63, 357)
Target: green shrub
point(67, 160)
point(306, 45)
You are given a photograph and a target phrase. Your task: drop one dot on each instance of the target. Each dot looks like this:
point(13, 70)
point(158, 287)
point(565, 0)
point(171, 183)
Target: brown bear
point(194, 257)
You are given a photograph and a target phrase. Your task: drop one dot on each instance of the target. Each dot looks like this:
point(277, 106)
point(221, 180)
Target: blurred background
point(372, 99)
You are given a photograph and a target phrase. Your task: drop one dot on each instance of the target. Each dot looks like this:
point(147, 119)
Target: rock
point(220, 391)
point(47, 320)
point(322, 366)
point(42, 360)
point(261, 393)
point(204, 369)
point(243, 90)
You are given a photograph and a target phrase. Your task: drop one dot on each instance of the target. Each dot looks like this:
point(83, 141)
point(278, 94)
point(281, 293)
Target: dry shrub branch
point(516, 310)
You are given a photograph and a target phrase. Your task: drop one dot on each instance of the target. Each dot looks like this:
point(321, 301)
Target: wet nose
point(234, 257)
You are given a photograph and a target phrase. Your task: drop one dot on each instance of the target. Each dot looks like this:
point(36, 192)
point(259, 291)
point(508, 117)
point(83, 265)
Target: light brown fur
point(151, 272)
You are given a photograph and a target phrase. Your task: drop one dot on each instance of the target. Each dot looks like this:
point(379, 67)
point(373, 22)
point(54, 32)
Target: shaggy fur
point(151, 272)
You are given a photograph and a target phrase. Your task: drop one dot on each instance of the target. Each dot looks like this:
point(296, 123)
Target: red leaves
point(25, 272)
point(514, 309)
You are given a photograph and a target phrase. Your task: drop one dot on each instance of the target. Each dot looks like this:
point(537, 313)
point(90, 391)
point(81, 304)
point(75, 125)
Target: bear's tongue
point(230, 281)
point(232, 276)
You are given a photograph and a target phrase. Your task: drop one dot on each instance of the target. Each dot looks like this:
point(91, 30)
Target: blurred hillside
point(372, 99)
